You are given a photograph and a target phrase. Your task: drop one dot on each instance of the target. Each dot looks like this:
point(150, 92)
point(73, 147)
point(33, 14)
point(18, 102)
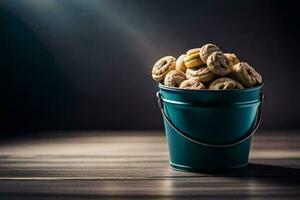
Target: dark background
point(86, 65)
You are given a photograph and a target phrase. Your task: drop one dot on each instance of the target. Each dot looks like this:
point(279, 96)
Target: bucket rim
point(173, 89)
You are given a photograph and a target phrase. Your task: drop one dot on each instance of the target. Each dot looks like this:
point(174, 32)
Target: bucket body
point(219, 120)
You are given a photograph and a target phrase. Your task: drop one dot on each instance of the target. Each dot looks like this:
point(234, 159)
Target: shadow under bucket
point(209, 129)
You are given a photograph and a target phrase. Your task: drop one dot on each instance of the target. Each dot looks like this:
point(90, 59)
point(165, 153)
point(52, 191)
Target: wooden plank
point(135, 165)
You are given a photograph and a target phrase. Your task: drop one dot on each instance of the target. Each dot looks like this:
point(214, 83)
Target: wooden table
point(80, 165)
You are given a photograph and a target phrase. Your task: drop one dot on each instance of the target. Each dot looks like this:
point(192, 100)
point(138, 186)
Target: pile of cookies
point(205, 68)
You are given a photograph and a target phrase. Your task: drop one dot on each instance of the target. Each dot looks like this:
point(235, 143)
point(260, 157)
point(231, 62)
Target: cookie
point(192, 58)
point(206, 50)
point(225, 84)
point(162, 67)
point(232, 57)
point(202, 72)
point(246, 74)
point(180, 66)
point(192, 84)
point(174, 78)
point(219, 64)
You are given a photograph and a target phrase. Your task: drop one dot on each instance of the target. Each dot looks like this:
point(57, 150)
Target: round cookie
point(180, 66)
point(206, 50)
point(192, 58)
point(219, 64)
point(202, 72)
point(192, 84)
point(246, 74)
point(232, 57)
point(162, 67)
point(174, 78)
point(225, 84)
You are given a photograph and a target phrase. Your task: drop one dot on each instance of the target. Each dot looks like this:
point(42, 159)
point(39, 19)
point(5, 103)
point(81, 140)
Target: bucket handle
point(255, 127)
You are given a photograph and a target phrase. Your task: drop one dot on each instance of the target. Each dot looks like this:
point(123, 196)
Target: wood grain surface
point(134, 165)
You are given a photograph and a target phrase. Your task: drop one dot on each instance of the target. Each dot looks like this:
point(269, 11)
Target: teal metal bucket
point(209, 130)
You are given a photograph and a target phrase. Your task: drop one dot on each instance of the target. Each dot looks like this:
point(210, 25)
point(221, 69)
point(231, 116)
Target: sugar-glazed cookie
point(192, 58)
point(246, 74)
point(174, 78)
point(225, 84)
point(192, 84)
point(180, 66)
point(232, 57)
point(208, 49)
point(162, 67)
point(219, 64)
point(202, 72)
